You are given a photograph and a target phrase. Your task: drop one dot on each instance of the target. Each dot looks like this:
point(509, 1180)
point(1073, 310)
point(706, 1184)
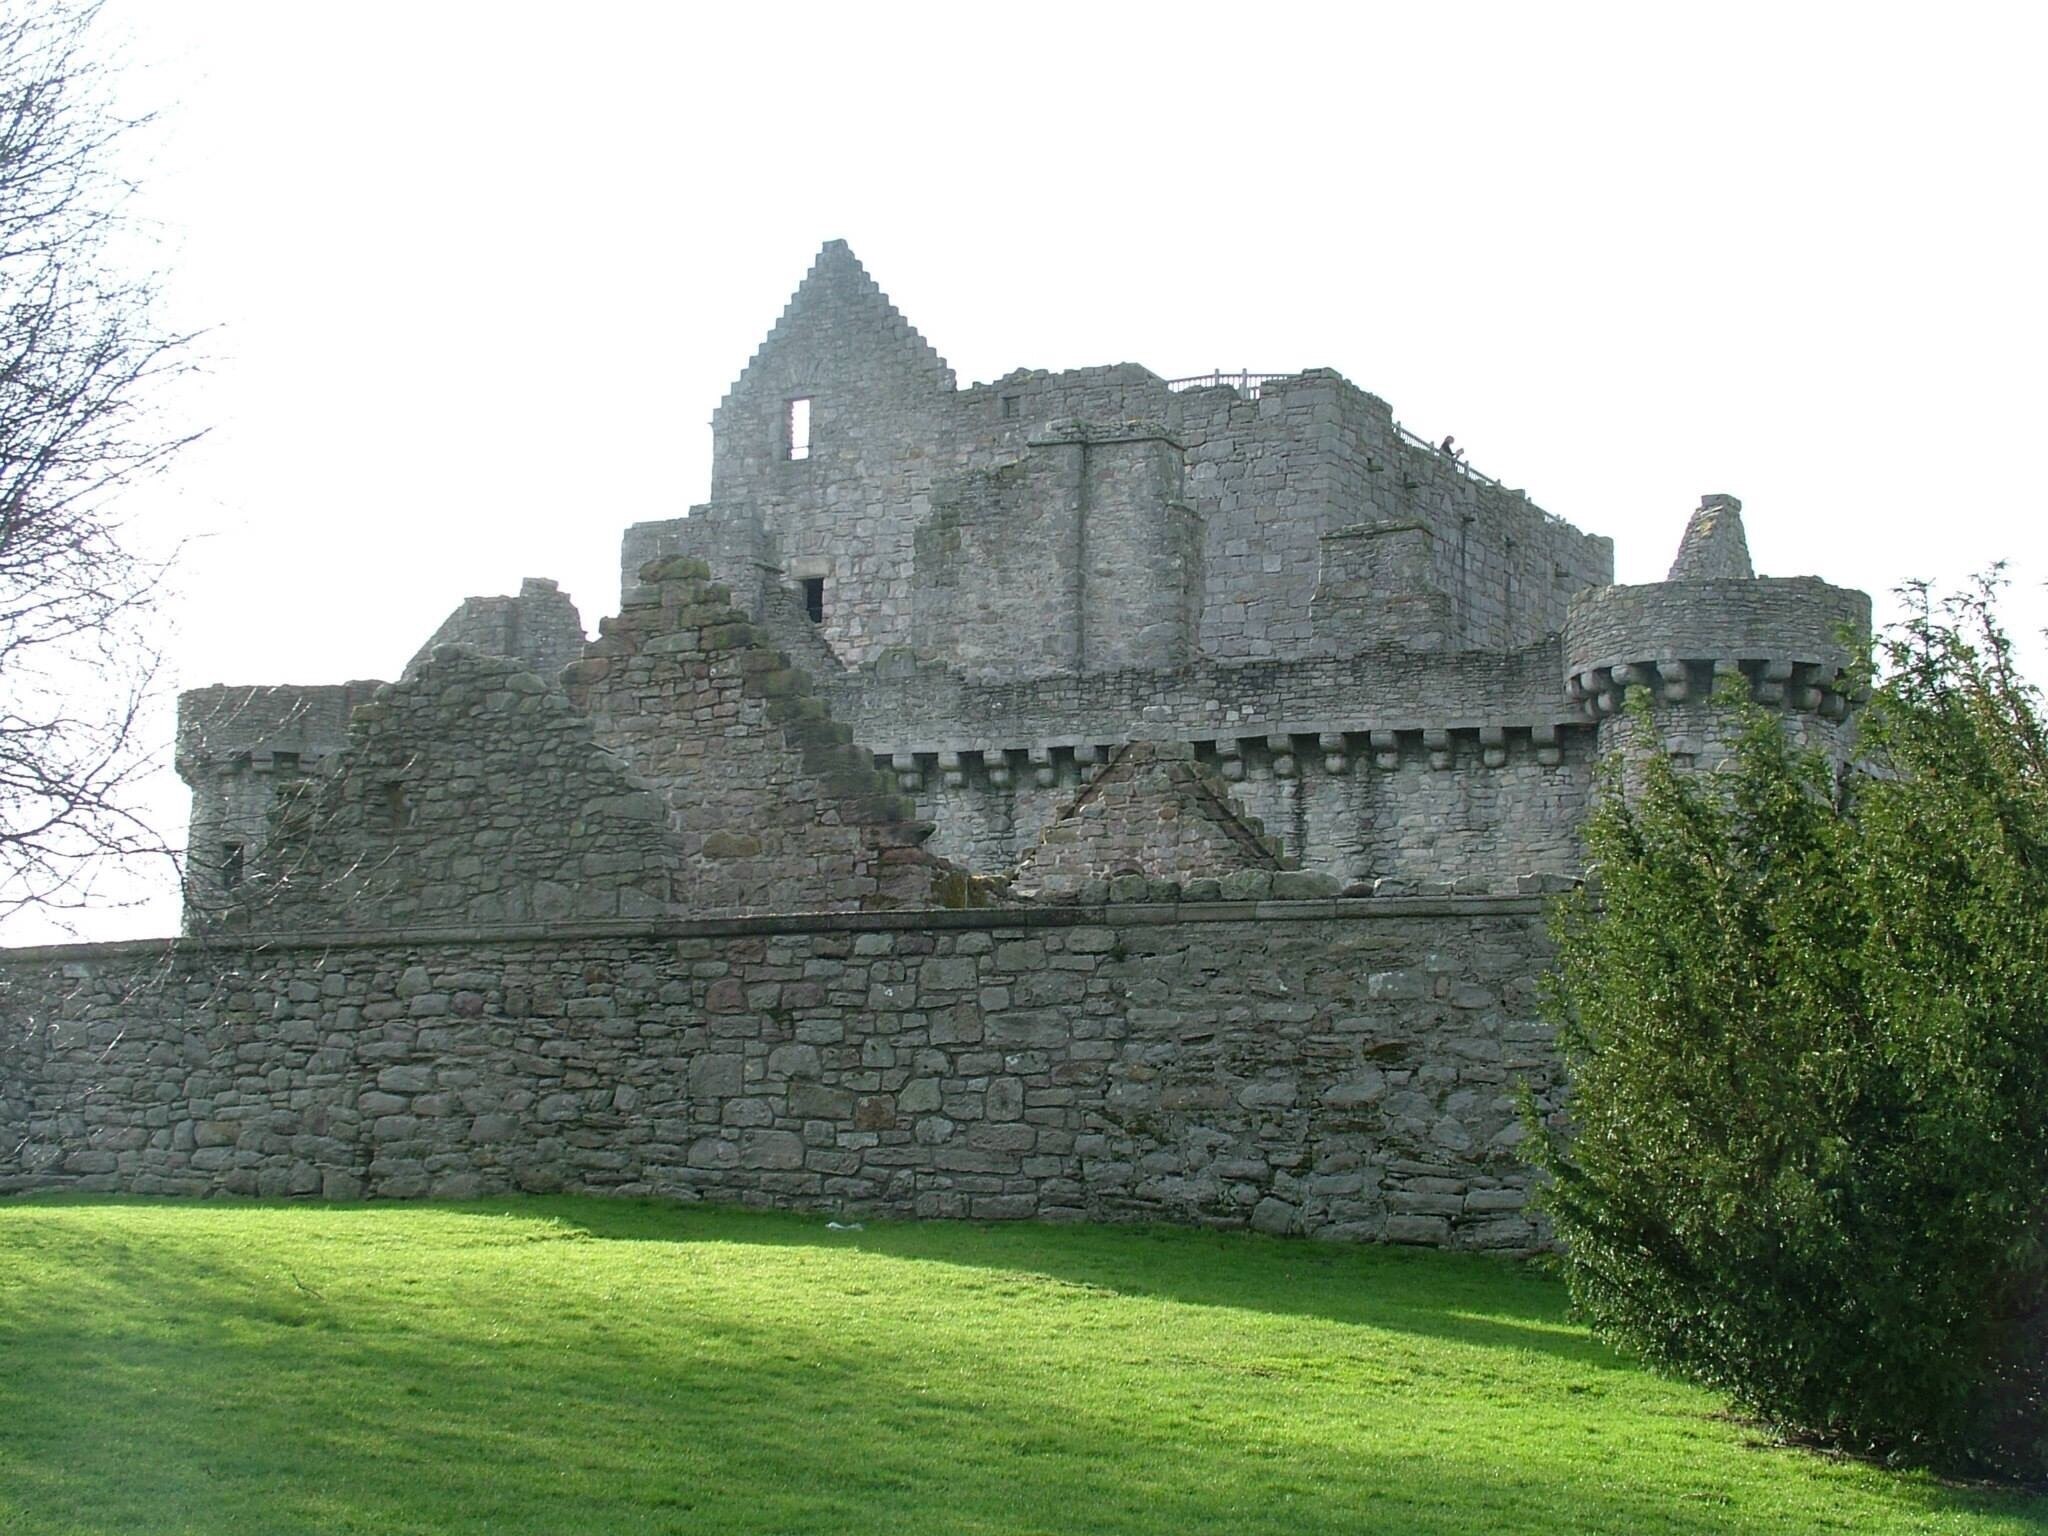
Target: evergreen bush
point(1806, 1022)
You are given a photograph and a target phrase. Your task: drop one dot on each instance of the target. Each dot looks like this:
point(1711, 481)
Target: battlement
point(1796, 640)
point(275, 729)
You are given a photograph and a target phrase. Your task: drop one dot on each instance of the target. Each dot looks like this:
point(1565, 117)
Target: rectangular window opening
point(799, 425)
point(397, 808)
point(814, 598)
point(230, 865)
point(1010, 407)
point(284, 762)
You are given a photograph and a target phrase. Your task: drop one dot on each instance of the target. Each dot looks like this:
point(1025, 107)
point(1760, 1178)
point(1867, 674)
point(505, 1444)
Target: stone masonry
point(468, 793)
point(1086, 795)
point(998, 585)
point(1153, 811)
point(1337, 1069)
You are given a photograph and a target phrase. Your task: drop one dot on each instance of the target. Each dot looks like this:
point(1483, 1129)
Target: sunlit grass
point(553, 1366)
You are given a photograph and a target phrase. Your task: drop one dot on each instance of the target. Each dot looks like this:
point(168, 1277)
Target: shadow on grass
point(162, 1387)
point(1458, 1298)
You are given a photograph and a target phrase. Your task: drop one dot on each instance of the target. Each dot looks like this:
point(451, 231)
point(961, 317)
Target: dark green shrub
point(1806, 1022)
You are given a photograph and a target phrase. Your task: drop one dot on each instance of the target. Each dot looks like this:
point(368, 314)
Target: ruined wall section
point(538, 627)
point(846, 507)
point(238, 749)
point(468, 793)
point(773, 808)
point(1154, 810)
point(728, 537)
point(1338, 1069)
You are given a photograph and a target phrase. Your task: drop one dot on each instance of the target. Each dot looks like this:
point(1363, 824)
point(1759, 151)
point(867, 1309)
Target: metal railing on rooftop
point(1243, 381)
point(1455, 457)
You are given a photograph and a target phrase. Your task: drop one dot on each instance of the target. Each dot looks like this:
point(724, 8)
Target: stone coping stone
point(928, 919)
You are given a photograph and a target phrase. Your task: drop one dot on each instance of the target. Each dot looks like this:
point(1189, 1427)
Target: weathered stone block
point(771, 1149)
point(715, 1077)
point(817, 1100)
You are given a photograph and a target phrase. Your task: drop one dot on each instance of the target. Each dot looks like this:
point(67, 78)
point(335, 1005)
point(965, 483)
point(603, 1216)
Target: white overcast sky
point(478, 273)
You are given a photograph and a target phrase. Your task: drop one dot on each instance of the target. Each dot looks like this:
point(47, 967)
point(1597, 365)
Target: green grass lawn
point(554, 1366)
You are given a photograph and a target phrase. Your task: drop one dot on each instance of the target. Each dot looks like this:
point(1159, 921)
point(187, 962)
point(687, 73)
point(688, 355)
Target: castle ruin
point(1086, 794)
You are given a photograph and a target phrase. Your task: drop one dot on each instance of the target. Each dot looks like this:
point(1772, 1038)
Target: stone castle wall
point(468, 792)
point(1338, 1068)
point(1418, 807)
point(1259, 479)
point(538, 627)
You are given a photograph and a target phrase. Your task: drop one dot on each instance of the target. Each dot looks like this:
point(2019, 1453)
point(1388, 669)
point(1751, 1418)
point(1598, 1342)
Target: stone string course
point(1343, 1069)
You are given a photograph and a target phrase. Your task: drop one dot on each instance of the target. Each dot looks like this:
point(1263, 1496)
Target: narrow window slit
point(799, 427)
point(814, 598)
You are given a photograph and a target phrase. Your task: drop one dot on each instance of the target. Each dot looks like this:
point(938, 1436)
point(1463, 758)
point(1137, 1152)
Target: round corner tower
point(1793, 641)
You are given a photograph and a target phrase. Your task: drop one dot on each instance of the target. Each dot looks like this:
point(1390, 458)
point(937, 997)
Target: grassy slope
point(565, 1366)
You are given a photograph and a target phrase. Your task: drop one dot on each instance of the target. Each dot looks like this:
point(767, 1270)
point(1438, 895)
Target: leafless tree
point(83, 363)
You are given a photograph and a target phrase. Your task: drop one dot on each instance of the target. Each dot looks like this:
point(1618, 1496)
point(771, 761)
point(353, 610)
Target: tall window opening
point(814, 598)
point(799, 427)
point(230, 865)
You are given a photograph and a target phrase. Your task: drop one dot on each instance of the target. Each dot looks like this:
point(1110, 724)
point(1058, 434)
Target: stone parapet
point(1793, 640)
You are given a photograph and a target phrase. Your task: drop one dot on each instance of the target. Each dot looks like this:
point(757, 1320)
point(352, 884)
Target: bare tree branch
point(83, 363)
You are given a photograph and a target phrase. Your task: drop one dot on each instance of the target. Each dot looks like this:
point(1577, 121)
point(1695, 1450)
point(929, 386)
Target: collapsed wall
point(1342, 1069)
point(469, 792)
point(538, 627)
point(773, 807)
